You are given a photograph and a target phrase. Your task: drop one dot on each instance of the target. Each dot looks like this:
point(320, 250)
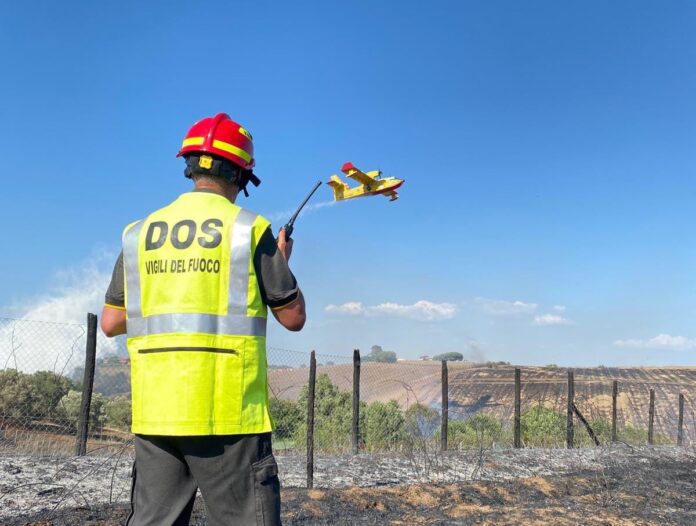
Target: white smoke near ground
point(47, 332)
point(422, 310)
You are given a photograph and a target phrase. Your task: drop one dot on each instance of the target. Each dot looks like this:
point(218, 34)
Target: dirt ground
point(651, 491)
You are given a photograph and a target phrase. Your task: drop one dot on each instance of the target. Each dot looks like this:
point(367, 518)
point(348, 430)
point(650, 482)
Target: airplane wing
point(352, 172)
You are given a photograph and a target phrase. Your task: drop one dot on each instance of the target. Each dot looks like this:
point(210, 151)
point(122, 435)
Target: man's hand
point(284, 245)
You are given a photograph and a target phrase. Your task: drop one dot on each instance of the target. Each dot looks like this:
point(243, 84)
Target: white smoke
point(47, 332)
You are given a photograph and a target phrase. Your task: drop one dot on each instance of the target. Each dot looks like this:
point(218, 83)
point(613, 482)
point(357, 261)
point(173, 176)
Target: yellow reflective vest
point(195, 319)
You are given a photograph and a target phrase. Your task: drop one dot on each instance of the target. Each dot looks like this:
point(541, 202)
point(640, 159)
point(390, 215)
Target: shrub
point(118, 412)
point(384, 426)
point(542, 427)
point(480, 430)
point(422, 422)
point(287, 417)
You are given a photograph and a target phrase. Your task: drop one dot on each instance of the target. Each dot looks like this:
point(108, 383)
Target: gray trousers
point(237, 476)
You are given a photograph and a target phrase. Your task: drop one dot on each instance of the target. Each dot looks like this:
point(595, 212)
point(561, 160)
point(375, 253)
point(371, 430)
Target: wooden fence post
point(356, 401)
point(310, 419)
point(651, 418)
point(680, 424)
point(571, 406)
point(614, 396)
point(87, 385)
point(445, 407)
point(518, 408)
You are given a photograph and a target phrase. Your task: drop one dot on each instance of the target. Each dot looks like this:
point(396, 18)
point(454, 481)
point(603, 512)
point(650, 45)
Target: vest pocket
point(192, 387)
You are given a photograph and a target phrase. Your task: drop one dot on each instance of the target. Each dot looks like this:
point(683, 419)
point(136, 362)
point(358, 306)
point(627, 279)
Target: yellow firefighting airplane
point(371, 183)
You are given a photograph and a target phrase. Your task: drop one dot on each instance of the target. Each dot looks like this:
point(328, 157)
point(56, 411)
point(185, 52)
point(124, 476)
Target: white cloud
point(559, 308)
point(551, 319)
point(505, 307)
point(661, 341)
point(352, 307)
point(422, 310)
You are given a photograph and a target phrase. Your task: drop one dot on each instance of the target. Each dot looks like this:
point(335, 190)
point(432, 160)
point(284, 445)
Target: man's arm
point(113, 318)
point(278, 286)
point(113, 321)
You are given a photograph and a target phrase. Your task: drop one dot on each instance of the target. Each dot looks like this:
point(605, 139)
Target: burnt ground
point(621, 488)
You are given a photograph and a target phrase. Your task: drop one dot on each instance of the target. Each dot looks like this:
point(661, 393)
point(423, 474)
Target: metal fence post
point(356, 401)
point(445, 407)
point(614, 396)
point(87, 385)
point(518, 408)
point(310, 419)
point(651, 418)
point(571, 406)
point(680, 423)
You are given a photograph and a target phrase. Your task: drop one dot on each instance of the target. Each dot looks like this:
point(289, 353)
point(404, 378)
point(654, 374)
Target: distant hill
point(490, 389)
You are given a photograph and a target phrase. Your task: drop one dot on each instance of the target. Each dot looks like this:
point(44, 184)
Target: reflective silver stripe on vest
point(196, 323)
point(236, 322)
point(130, 263)
point(240, 248)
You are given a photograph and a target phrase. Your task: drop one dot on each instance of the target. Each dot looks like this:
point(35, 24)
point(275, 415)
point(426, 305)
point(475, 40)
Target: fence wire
point(400, 403)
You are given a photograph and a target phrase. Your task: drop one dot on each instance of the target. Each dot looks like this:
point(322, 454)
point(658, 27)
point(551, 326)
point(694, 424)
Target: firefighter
point(191, 290)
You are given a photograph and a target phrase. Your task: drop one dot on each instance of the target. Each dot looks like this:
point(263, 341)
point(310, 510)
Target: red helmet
point(221, 136)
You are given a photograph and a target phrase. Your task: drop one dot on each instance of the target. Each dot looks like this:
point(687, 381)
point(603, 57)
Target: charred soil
point(651, 491)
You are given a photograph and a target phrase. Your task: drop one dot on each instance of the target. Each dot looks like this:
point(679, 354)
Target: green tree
point(118, 412)
point(70, 404)
point(333, 415)
point(384, 425)
point(287, 416)
point(379, 355)
point(421, 422)
point(16, 394)
point(542, 427)
point(47, 390)
point(449, 357)
point(479, 430)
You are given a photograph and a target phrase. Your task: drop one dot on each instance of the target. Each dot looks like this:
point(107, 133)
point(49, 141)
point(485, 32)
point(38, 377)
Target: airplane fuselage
point(379, 186)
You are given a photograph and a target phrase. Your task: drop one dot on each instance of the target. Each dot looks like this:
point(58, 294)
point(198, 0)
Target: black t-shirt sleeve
point(115, 294)
point(276, 281)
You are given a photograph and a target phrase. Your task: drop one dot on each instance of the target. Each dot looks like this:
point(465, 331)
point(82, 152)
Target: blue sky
point(548, 150)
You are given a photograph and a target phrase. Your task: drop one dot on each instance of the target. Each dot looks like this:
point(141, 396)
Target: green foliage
point(448, 357)
point(70, 404)
point(16, 395)
point(333, 415)
point(118, 412)
point(378, 355)
point(47, 389)
point(287, 417)
point(480, 430)
point(542, 427)
point(422, 422)
point(33, 396)
point(385, 426)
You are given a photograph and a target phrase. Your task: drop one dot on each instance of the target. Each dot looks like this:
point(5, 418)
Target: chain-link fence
point(400, 403)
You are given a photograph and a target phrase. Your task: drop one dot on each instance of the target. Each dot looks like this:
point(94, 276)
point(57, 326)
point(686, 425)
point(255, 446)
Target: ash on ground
point(646, 485)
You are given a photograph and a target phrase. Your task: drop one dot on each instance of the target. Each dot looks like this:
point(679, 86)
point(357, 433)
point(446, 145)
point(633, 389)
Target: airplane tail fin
point(338, 187)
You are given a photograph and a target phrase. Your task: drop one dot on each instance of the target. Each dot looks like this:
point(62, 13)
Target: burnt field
point(614, 486)
point(489, 389)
